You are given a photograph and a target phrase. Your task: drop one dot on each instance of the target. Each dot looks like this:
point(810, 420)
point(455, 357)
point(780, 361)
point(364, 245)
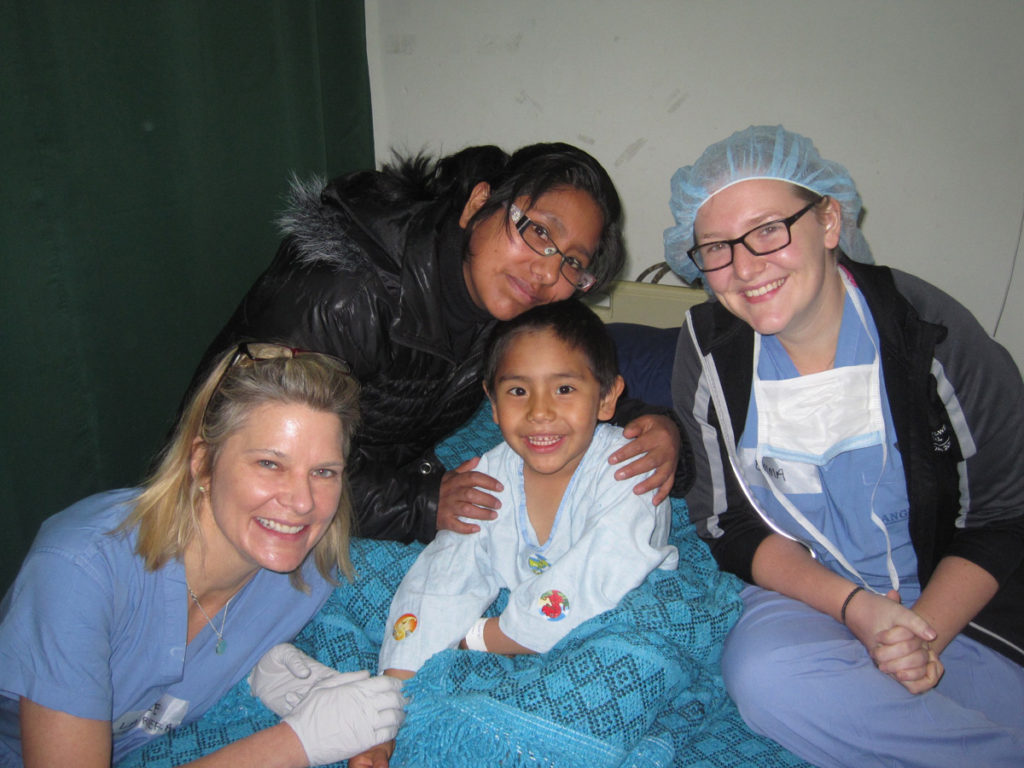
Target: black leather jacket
point(361, 279)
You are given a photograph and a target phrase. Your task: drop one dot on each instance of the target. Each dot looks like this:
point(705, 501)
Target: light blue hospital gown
point(604, 542)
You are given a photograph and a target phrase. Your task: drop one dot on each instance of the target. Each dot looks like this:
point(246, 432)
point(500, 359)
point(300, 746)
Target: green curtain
point(145, 148)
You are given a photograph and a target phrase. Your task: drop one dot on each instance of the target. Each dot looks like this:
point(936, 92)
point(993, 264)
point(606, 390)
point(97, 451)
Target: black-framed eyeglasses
point(537, 237)
point(763, 239)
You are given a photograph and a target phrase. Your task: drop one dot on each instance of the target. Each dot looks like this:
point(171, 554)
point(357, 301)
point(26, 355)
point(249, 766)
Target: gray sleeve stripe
point(710, 389)
point(956, 414)
point(711, 487)
point(968, 448)
point(701, 406)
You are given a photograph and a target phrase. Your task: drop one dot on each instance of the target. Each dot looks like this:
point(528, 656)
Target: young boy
point(569, 541)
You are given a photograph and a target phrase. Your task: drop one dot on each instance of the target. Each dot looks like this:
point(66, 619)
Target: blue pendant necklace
point(221, 645)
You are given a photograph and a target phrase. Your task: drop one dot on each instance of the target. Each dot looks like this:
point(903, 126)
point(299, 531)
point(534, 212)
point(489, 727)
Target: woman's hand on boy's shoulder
point(654, 445)
point(464, 493)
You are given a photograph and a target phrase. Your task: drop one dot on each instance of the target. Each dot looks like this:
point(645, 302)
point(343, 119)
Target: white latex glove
point(337, 719)
point(285, 675)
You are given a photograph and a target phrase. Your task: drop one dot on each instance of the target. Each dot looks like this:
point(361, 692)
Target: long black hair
point(529, 172)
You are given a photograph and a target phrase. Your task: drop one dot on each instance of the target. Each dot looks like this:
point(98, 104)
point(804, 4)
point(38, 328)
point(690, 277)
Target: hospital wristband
point(475, 636)
point(846, 603)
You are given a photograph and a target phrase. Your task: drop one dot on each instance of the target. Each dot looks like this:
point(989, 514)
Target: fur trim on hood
point(317, 229)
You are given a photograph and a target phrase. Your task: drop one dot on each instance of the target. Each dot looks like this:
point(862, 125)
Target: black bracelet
point(846, 603)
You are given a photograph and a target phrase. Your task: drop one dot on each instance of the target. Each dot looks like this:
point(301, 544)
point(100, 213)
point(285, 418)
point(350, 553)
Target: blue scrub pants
point(802, 679)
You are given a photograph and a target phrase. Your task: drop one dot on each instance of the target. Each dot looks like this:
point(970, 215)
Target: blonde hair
point(166, 512)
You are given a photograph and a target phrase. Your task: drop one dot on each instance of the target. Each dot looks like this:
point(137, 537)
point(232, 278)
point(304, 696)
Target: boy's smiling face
point(547, 402)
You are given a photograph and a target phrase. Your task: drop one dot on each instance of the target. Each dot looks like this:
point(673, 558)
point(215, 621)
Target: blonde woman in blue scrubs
point(136, 610)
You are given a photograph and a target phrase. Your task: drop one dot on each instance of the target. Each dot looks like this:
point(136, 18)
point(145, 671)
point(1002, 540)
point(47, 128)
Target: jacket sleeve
point(982, 393)
point(305, 306)
point(335, 307)
point(718, 506)
point(396, 502)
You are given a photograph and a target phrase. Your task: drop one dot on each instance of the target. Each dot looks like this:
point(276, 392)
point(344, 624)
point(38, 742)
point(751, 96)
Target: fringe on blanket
point(480, 731)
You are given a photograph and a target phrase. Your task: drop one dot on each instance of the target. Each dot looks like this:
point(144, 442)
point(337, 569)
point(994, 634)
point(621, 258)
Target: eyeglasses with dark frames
point(762, 240)
point(537, 237)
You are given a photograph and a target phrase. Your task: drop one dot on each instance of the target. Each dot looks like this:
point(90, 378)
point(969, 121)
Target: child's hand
point(374, 757)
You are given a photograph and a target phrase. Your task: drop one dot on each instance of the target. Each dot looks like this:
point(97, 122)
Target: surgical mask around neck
point(814, 418)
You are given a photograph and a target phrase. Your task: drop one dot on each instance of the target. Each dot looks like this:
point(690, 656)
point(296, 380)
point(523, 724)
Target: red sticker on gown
point(554, 605)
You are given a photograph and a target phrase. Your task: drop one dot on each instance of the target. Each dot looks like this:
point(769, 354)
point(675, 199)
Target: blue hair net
point(759, 152)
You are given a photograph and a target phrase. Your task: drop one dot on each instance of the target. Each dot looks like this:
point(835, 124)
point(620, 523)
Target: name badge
point(792, 476)
point(789, 476)
point(165, 715)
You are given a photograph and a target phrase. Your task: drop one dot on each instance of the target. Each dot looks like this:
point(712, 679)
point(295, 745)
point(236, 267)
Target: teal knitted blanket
point(636, 686)
point(630, 687)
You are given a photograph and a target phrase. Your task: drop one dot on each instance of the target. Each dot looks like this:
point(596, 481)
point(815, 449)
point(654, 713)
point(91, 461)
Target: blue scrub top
point(86, 630)
point(839, 496)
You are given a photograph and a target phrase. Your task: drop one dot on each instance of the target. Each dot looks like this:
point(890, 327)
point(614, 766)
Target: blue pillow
point(646, 355)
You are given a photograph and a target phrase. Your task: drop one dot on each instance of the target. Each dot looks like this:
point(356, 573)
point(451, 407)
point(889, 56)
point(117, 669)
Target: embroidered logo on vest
point(941, 440)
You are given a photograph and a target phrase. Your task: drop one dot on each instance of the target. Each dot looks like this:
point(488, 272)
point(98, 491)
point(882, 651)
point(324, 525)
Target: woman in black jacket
point(401, 273)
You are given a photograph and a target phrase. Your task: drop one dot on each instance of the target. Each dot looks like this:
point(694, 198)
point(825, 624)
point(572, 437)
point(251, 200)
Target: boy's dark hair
point(571, 321)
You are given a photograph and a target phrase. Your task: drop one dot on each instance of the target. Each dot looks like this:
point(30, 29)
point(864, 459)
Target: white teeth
point(279, 527)
point(764, 289)
point(543, 439)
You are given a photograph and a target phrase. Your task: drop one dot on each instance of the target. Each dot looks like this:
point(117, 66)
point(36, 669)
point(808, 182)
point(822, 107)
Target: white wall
point(922, 100)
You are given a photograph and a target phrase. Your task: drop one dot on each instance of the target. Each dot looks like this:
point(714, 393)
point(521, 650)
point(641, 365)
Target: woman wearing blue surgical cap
point(859, 441)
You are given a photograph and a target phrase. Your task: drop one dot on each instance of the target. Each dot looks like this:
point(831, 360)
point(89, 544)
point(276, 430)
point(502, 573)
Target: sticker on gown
point(404, 626)
point(554, 605)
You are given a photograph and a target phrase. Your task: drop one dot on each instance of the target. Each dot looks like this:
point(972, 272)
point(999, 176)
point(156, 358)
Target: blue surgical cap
point(759, 152)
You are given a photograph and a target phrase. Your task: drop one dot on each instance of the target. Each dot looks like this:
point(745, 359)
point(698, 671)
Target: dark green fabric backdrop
point(144, 151)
